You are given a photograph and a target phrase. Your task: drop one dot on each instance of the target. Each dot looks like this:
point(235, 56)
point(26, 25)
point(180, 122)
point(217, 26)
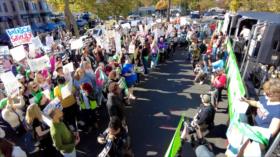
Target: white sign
point(183, 21)
point(126, 26)
point(49, 41)
point(39, 63)
point(4, 50)
point(118, 42)
point(37, 42)
point(76, 44)
point(54, 104)
point(20, 35)
point(66, 90)
point(10, 82)
point(134, 23)
point(68, 68)
point(18, 53)
point(141, 29)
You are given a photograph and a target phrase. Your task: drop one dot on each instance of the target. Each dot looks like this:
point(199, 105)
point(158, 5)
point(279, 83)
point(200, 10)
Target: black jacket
point(115, 106)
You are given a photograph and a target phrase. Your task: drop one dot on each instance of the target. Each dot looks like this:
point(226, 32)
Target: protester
point(68, 102)
point(202, 121)
point(218, 81)
point(63, 139)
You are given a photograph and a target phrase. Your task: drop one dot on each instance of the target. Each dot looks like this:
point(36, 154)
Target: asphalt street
point(166, 94)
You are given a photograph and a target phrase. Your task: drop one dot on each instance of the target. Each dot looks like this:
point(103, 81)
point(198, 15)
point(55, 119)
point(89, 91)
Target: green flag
point(175, 144)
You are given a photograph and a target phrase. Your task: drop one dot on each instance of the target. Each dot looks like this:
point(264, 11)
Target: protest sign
point(49, 40)
point(37, 42)
point(4, 51)
point(118, 42)
point(10, 82)
point(66, 90)
point(68, 68)
point(141, 29)
point(126, 26)
point(39, 63)
point(183, 21)
point(18, 53)
point(20, 35)
point(54, 104)
point(134, 23)
point(76, 44)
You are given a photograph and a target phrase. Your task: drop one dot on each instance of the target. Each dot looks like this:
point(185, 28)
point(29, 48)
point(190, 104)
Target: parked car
point(195, 15)
point(133, 17)
point(48, 27)
point(81, 23)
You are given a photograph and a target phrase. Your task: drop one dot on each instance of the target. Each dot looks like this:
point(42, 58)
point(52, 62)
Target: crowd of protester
point(102, 83)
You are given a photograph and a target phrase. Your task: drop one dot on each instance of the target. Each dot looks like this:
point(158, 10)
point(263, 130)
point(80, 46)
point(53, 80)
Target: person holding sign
point(118, 135)
point(68, 102)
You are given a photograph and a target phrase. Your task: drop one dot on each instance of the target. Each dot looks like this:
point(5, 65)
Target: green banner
point(236, 88)
point(175, 144)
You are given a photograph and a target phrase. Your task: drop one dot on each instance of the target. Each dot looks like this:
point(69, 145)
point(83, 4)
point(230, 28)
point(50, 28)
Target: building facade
point(15, 13)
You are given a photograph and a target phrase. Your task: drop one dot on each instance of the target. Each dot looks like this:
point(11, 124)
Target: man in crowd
point(203, 120)
point(62, 137)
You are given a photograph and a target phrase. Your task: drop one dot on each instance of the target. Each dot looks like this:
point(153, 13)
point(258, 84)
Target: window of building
point(5, 7)
point(0, 7)
point(26, 5)
point(13, 5)
point(34, 6)
point(21, 5)
point(40, 5)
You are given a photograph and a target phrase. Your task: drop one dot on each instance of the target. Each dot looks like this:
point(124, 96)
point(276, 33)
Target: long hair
point(33, 112)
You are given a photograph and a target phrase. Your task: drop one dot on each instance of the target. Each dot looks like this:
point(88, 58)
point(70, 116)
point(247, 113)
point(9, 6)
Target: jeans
point(145, 63)
point(72, 154)
point(29, 142)
point(154, 60)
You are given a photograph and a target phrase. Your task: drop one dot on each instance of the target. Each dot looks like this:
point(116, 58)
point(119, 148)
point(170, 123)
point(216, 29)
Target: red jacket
point(220, 81)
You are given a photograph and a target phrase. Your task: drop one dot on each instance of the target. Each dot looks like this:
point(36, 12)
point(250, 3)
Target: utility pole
point(168, 10)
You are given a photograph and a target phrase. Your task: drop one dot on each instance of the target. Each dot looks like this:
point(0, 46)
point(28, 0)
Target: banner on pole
point(20, 35)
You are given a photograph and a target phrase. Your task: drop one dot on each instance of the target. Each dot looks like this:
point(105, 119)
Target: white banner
point(39, 63)
point(20, 35)
point(10, 82)
point(18, 53)
point(134, 23)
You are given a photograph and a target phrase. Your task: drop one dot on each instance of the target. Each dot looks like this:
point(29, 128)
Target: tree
point(70, 19)
point(234, 5)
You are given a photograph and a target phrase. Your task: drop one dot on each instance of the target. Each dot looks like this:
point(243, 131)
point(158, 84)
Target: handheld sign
point(18, 53)
point(37, 42)
point(10, 82)
point(39, 63)
point(20, 35)
point(4, 50)
point(54, 104)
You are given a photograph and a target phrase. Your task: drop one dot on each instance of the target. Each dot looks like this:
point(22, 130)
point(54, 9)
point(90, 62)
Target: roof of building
point(263, 16)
